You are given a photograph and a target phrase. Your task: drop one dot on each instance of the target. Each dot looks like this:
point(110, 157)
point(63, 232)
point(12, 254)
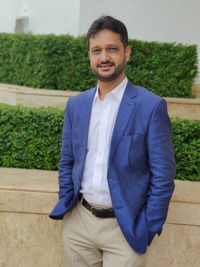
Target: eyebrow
point(107, 46)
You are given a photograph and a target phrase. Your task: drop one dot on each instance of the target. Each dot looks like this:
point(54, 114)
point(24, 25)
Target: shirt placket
point(102, 136)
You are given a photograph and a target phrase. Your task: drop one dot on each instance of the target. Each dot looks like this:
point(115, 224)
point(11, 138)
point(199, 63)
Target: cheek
point(120, 60)
point(94, 63)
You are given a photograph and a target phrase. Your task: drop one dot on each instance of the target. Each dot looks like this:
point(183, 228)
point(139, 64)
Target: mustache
point(107, 62)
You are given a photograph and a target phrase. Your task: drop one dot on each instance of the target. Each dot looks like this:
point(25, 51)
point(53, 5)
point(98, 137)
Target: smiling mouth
point(105, 66)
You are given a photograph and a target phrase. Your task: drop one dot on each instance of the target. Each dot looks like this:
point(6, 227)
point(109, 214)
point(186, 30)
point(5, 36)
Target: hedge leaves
point(31, 138)
point(61, 62)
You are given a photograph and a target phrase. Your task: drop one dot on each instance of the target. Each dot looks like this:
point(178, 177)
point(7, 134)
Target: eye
point(112, 49)
point(96, 51)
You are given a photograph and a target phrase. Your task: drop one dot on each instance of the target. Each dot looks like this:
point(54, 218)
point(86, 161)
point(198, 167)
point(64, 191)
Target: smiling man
point(117, 167)
point(108, 56)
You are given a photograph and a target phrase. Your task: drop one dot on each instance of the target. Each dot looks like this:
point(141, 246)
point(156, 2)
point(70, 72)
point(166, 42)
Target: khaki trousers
point(90, 241)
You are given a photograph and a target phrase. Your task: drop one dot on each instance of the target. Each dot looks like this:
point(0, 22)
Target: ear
point(127, 53)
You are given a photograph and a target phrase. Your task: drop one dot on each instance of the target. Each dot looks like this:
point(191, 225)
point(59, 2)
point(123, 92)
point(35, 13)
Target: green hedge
point(186, 140)
point(31, 138)
point(60, 62)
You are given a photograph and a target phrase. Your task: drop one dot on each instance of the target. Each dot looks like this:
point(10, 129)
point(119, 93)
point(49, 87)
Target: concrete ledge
point(19, 95)
point(26, 96)
point(183, 108)
point(30, 238)
point(196, 90)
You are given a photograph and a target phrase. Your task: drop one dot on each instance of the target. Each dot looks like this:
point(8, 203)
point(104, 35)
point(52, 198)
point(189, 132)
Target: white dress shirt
point(94, 186)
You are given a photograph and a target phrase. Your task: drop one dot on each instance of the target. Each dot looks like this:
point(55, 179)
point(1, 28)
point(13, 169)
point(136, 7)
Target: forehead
point(105, 37)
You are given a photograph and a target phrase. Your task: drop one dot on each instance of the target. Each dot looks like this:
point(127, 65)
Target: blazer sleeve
point(66, 161)
point(162, 168)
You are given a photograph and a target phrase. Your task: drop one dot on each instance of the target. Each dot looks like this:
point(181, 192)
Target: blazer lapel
point(84, 119)
point(125, 111)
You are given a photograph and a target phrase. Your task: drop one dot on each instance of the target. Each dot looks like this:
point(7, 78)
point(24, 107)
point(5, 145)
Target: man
point(117, 165)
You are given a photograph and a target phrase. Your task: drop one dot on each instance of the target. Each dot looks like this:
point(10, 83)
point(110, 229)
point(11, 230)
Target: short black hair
point(109, 23)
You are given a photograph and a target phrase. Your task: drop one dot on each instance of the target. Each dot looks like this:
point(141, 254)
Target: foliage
point(186, 138)
point(167, 69)
point(31, 138)
point(61, 62)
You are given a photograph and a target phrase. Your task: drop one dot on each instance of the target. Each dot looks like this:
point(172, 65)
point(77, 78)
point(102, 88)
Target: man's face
point(108, 56)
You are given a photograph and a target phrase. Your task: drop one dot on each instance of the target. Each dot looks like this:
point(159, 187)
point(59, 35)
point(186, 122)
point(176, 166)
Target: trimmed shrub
point(167, 69)
point(31, 138)
point(186, 138)
point(61, 62)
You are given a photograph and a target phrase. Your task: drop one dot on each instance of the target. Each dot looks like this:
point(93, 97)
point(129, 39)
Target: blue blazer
point(141, 167)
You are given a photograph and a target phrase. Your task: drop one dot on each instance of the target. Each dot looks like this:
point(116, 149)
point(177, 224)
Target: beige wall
point(30, 239)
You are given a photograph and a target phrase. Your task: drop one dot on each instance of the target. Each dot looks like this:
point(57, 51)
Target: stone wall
point(18, 95)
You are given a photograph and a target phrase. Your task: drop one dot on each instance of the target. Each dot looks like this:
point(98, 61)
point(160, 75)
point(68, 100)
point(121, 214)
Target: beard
point(118, 70)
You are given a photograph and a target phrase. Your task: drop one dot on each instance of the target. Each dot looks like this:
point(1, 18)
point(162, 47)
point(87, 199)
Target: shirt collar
point(117, 92)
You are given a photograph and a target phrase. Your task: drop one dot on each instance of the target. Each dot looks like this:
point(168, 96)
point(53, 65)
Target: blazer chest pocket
point(138, 151)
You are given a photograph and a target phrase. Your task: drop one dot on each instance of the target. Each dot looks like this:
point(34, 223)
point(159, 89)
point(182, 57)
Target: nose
point(104, 56)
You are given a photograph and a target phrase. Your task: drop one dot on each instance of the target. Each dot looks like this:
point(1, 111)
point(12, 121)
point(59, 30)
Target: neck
point(106, 87)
